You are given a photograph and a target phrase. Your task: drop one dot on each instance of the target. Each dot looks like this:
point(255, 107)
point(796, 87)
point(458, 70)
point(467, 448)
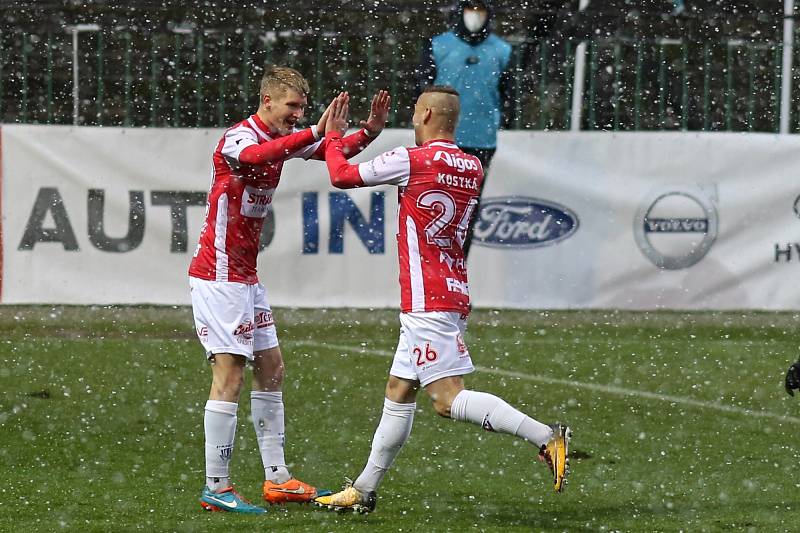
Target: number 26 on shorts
point(423, 357)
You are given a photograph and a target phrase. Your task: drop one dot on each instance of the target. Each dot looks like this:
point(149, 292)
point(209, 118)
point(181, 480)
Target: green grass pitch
point(680, 423)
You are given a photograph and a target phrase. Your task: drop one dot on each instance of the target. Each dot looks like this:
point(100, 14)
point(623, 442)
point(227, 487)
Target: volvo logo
point(522, 222)
point(675, 226)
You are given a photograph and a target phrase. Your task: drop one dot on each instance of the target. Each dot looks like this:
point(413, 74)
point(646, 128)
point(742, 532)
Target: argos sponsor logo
point(522, 222)
point(459, 163)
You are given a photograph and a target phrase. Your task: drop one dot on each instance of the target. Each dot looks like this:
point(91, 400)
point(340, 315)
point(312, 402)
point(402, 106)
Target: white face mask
point(474, 19)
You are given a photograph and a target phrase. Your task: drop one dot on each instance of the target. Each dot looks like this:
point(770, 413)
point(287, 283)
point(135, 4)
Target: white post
point(577, 81)
point(786, 66)
point(76, 100)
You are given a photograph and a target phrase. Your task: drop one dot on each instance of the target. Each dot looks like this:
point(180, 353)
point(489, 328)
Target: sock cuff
point(394, 407)
point(267, 396)
point(218, 406)
point(458, 409)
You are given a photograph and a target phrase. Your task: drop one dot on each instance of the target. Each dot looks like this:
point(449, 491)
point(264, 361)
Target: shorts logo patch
point(244, 333)
point(462, 347)
point(264, 319)
point(202, 333)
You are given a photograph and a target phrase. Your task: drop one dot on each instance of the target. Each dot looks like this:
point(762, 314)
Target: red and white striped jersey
point(241, 195)
point(439, 189)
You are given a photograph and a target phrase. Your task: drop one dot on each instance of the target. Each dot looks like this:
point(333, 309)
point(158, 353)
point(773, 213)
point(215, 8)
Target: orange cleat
point(293, 490)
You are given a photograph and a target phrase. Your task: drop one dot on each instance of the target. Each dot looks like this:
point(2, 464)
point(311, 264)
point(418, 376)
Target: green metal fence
point(209, 79)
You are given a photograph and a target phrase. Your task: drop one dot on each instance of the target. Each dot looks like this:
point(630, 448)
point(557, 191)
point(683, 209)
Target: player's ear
point(266, 101)
point(426, 117)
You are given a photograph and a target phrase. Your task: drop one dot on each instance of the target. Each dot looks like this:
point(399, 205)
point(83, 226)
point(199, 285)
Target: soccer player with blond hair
point(232, 314)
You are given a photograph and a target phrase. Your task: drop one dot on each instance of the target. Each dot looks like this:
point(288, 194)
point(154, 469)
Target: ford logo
point(522, 222)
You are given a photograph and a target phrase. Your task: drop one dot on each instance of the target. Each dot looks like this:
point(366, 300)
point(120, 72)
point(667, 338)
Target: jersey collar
point(258, 125)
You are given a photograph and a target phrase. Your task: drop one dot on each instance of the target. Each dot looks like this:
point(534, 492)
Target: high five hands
point(335, 117)
point(378, 113)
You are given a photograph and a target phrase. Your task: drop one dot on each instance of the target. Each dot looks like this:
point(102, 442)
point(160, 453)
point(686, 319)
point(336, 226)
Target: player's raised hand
point(378, 113)
point(793, 378)
point(337, 120)
point(324, 118)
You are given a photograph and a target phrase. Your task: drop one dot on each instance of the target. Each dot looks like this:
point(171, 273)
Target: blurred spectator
point(478, 64)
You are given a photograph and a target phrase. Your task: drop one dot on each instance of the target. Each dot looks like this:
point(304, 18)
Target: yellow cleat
point(349, 499)
point(556, 455)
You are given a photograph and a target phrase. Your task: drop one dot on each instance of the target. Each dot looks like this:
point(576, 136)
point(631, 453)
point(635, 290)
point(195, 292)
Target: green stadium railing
point(210, 79)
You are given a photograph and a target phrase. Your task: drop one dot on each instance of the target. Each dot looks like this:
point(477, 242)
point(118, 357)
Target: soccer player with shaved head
point(438, 187)
point(231, 309)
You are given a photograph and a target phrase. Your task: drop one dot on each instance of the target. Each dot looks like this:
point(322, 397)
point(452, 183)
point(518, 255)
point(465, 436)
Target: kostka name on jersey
point(439, 187)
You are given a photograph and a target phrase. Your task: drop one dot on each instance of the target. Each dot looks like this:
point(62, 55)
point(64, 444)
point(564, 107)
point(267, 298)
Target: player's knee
point(441, 406)
point(269, 378)
point(229, 382)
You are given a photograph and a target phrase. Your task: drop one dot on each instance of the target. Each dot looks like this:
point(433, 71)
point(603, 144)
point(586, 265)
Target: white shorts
point(431, 347)
point(232, 317)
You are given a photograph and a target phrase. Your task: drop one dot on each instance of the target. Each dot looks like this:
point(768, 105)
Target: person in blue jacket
point(478, 64)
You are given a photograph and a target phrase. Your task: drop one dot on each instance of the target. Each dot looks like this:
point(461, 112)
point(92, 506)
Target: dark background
point(713, 66)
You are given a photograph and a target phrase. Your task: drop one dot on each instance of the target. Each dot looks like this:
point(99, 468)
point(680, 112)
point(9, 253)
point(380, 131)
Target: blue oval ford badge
point(522, 222)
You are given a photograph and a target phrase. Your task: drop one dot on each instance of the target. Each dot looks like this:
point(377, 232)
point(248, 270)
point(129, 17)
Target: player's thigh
point(223, 316)
point(435, 345)
point(266, 334)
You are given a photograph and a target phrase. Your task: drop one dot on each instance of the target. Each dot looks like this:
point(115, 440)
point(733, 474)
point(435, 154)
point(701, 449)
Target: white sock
point(219, 421)
point(494, 414)
point(393, 431)
point(267, 412)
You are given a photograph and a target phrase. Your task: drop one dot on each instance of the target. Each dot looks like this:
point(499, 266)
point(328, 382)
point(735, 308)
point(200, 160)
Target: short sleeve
point(236, 140)
point(389, 168)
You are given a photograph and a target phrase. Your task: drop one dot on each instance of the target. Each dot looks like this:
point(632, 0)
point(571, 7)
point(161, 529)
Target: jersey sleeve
point(352, 145)
point(307, 151)
point(389, 168)
point(236, 140)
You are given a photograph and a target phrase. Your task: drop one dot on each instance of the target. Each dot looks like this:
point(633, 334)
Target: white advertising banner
point(568, 220)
